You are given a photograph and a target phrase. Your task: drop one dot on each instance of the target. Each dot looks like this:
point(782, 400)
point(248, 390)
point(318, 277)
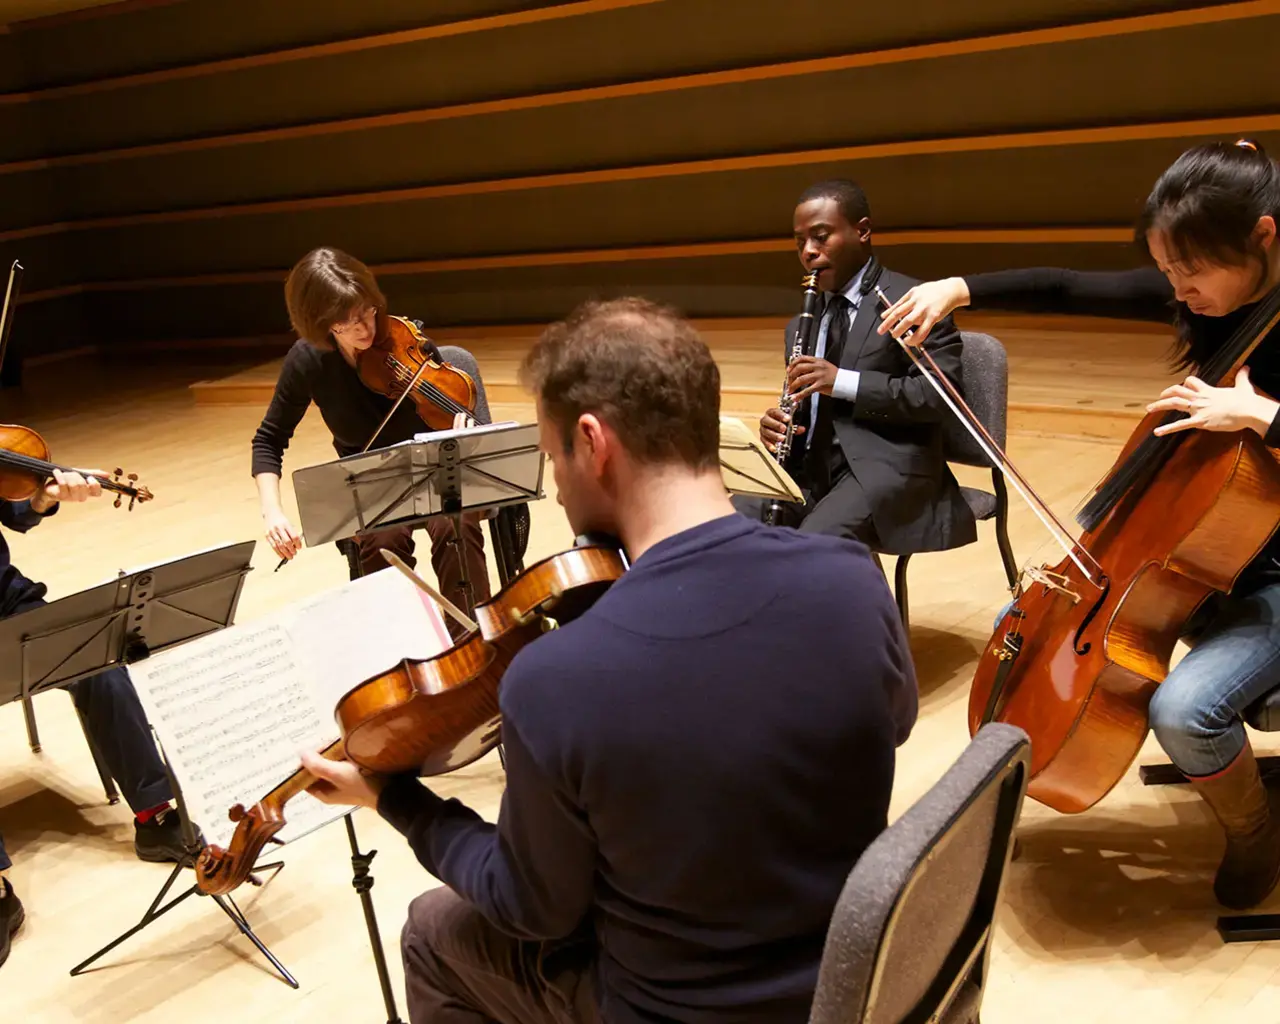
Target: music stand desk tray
point(447, 471)
point(748, 467)
point(141, 612)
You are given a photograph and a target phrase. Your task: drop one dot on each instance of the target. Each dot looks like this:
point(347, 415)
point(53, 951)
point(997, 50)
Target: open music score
point(233, 709)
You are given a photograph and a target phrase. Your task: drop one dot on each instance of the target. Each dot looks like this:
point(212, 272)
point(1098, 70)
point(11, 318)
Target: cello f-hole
point(1083, 649)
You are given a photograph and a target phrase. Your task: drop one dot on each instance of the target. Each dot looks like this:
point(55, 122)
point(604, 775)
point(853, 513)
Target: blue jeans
point(1196, 713)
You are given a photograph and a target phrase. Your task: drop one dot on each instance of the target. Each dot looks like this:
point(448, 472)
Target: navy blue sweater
point(16, 589)
point(693, 767)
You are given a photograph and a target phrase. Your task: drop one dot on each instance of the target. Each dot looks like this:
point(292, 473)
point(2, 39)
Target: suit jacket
point(891, 435)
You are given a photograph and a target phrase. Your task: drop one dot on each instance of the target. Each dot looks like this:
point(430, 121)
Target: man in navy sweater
point(694, 765)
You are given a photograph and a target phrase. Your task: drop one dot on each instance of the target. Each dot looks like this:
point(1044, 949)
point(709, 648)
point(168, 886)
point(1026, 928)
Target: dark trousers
point(460, 969)
point(843, 511)
point(445, 559)
point(117, 726)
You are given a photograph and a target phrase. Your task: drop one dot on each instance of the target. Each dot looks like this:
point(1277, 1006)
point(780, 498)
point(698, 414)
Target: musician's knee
point(441, 925)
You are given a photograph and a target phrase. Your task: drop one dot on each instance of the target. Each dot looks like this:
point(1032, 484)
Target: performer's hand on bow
point(70, 485)
point(922, 307)
point(1239, 407)
point(810, 375)
point(773, 428)
point(341, 782)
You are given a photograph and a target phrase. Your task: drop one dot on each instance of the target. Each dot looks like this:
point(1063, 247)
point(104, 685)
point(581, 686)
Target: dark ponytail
point(1207, 205)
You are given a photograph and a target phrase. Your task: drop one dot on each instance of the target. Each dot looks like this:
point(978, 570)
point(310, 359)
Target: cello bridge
point(1052, 580)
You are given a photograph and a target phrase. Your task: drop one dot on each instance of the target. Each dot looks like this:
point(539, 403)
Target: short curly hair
point(640, 367)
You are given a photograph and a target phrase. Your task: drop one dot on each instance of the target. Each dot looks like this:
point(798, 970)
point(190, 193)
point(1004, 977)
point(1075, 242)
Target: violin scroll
point(220, 871)
point(131, 489)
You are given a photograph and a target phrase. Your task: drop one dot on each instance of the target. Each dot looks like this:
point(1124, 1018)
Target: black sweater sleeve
point(288, 405)
point(1143, 294)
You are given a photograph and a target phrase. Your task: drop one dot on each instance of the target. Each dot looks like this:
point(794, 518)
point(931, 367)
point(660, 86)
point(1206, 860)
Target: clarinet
point(801, 345)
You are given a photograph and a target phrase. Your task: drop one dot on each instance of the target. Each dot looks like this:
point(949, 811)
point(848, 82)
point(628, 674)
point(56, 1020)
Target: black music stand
point(115, 623)
point(445, 473)
point(138, 614)
point(748, 468)
point(478, 469)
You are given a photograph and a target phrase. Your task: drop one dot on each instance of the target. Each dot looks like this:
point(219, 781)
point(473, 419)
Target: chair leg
point(900, 589)
point(1167, 775)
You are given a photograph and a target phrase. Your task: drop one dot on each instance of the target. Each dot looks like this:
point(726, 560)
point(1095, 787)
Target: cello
point(428, 716)
point(1075, 659)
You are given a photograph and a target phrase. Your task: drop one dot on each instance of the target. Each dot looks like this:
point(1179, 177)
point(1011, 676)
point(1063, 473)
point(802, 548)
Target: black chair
point(910, 938)
point(1263, 715)
point(985, 368)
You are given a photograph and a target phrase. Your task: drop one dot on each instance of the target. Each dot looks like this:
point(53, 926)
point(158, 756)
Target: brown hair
point(640, 367)
point(323, 288)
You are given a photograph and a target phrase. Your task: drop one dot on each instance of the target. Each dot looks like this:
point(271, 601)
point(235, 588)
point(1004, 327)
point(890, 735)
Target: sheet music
point(233, 709)
point(377, 620)
point(476, 431)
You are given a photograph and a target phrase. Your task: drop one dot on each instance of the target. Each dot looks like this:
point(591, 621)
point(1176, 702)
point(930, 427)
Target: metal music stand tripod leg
point(361, 877)
point(225, 903)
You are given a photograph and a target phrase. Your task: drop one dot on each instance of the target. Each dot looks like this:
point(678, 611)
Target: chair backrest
point(911, 933)
point(985, 372)
point(466, 362)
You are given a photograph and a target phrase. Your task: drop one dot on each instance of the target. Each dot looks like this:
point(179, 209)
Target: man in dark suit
point(869, 424)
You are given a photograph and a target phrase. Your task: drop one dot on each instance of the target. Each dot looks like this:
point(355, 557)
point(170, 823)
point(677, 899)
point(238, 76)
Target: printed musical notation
point(233, 709)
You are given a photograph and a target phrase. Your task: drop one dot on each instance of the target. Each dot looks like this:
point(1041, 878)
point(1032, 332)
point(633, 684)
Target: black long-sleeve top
point(1142, 294)
point(680, 785)
point(350, 410)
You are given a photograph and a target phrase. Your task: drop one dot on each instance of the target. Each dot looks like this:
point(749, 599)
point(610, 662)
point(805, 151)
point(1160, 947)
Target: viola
point(429, 716)
point(25, 468)
point(399, 364)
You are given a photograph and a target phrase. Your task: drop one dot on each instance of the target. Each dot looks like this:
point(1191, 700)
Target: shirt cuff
point(846, 385)
point(407, 804)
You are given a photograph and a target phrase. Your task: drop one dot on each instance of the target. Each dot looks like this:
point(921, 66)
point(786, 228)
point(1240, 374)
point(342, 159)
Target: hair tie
point(1246, 144)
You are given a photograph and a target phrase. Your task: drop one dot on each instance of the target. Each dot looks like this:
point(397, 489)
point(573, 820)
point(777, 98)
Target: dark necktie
point(819, 448)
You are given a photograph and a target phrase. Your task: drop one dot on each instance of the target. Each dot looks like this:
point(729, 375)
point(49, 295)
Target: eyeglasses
point(347, 326)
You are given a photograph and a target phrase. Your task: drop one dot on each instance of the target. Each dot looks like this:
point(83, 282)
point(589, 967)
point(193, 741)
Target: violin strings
point(427, 388)
point(28, 462)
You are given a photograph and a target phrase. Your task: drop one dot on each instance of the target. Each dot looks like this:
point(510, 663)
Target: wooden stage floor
point(1068, 377)
point(1108, 916)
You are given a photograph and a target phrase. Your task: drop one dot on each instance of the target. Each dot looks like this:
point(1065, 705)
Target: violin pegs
point(116, 503)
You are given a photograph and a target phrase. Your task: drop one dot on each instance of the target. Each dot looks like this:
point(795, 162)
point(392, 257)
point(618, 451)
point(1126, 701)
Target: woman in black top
point(1210, 226)
point(338, 311)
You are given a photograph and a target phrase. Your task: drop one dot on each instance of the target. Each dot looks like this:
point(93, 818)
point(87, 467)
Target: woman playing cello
point(1210, 227)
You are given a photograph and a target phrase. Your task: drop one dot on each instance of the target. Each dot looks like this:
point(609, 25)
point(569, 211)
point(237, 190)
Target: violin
point(25, 468)
point(429, 716)
point(398, 363)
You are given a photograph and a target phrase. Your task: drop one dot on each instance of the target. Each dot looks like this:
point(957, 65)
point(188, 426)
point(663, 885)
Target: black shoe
point(160, 839)
point(11, 917)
